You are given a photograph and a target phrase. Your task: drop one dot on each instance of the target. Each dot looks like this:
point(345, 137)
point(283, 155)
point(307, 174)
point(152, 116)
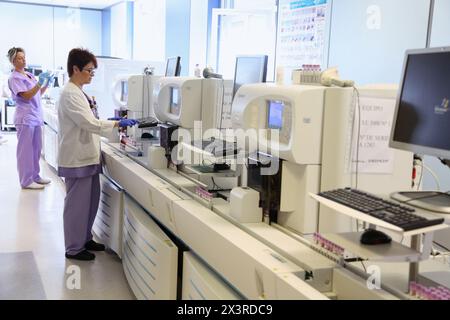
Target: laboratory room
point(231, 150)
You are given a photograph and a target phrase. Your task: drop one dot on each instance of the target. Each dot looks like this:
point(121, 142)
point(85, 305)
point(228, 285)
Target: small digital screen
point(174, 101)
point(275, 114)
point(124, 91)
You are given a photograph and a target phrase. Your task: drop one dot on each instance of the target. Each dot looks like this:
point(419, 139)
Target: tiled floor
point(31, 222)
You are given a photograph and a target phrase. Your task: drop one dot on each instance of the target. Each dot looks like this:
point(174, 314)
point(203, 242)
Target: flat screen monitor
point(174, 101)
point(173, 67)
point(422, 117)
point(275, 114)
point(249, 69)
point(36, 71)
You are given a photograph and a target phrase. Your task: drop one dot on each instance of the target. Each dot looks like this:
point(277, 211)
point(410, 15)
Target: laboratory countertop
point(395, 275)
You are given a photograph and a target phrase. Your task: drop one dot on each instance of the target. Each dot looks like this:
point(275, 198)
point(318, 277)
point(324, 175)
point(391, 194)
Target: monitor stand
point(429, 200)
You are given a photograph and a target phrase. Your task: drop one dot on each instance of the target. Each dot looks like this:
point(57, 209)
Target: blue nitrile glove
point(43, 78)
point(127, 123)
point(51, 80)
point(115, 119)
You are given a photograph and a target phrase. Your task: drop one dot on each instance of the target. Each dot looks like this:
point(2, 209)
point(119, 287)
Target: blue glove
point(51, 80)
point(127, 123)
point(43, 78)
point(115, 119)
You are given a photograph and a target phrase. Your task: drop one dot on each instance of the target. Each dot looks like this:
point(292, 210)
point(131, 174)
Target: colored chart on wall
point(302, 33)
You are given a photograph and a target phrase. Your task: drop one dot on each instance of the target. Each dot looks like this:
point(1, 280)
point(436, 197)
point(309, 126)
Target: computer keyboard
point(149, 122)
point(388, 211)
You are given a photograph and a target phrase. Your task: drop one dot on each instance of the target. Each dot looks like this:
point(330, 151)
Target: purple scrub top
point(28, 112)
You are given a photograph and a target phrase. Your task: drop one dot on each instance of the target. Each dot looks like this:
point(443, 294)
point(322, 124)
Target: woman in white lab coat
point(79, 155)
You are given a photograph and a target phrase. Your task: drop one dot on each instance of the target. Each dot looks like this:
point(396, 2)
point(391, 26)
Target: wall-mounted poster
point(303, 32)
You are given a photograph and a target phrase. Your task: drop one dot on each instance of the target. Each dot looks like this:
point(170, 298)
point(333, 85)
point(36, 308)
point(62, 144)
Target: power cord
point(434, 175)
point(441, 246)
point(364, 266)
point(216, 186)
point(358, 104)
point(358, 138)
point(417, 158)
point(223, 103)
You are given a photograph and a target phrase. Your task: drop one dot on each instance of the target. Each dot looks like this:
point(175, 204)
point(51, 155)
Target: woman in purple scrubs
point(79, 155)
point(27, 91)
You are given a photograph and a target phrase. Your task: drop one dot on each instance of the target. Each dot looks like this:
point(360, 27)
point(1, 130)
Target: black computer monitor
point(422, 116)
point(249, 69)
point(173, 67)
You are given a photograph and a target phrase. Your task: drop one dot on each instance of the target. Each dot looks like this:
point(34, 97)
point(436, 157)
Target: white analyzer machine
point(304, 132)
point(306, 135)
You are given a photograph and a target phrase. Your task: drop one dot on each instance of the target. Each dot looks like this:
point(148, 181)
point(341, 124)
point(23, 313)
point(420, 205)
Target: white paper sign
point(374, 154)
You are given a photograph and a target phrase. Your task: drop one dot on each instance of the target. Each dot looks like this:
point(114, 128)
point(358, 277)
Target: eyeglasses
point(91, 71)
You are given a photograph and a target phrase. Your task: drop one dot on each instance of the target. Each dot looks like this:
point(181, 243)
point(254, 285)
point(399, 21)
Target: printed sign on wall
point(302, 33)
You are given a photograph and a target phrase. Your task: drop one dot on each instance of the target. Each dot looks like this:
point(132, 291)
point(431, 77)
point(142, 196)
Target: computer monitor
point(249, 69)
point(422, 116)
point(173, 67)
point(35, 70)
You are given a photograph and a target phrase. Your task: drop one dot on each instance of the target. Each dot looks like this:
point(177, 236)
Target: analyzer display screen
point(174, 101)
point(275, 114)
point(124, 91)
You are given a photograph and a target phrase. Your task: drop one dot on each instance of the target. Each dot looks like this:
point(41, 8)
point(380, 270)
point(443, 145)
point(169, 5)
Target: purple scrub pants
point(80, 209)
point(29, 146)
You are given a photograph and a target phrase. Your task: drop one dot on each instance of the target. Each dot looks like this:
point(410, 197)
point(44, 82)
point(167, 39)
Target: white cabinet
point(51, 146)
point(108, 224)
point(150, 258)
point(8, 113)
point(201, 283)
point(50, 134)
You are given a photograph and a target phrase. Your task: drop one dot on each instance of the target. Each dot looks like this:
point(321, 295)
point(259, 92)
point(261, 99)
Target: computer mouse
point(147, 135)
point(373, 237)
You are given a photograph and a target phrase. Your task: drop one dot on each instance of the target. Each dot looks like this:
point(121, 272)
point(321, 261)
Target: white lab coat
point(79, 131)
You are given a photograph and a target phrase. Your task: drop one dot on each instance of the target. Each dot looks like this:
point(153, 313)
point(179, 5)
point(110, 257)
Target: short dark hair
point(81, 58)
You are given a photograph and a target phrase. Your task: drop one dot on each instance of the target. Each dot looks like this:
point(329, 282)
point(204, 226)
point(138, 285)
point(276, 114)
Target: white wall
point(46, 33)
point(369, 37)
point(440, 36)
point(254, 4)
point(199, 35)
point(149, 37)
point(33, 31)
point(119, 31)
point(441, 23)
point(76, 28)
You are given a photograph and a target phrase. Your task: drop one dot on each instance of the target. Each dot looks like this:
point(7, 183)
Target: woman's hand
point(44, 78)
point(127, 123)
